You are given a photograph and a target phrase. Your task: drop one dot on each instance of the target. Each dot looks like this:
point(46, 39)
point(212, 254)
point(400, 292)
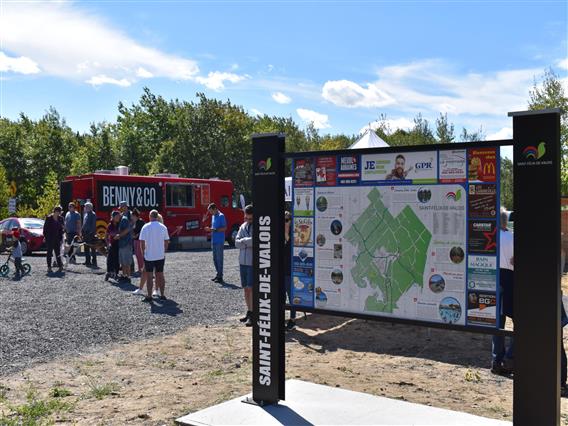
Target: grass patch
point(35, 411)
point(472, 376)
point(3, 393)
point(58, 391)
point(102, 390)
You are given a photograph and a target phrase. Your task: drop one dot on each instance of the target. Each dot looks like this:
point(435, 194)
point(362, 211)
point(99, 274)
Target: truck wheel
point(233, 236)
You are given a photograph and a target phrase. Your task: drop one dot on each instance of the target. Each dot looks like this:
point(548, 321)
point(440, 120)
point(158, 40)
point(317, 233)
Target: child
point(17, 255)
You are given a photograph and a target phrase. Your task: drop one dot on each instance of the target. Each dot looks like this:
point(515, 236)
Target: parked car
point(31, 233)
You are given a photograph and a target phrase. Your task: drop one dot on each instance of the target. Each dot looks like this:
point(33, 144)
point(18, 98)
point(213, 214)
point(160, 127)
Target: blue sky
point(337, 64)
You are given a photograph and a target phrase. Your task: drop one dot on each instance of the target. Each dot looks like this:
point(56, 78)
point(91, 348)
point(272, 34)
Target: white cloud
point(281, 98)
point(503, 133)
point(320, 121)
point(216, 80)
point(71, 42)
point(67, 41)
point(433, 86)
point(256, 112)
point(99, 80)
point(21, 65)
point(563, 63)
point(143, 73)
point(349, 94)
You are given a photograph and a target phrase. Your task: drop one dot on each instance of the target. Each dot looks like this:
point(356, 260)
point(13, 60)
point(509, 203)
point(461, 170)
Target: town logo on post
point(264, 165)
point(532, 153)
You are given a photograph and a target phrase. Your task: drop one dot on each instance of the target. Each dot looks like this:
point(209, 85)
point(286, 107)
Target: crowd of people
point(127, 237)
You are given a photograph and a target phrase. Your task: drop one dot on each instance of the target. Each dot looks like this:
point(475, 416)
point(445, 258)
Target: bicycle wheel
point(27, 268)
point(4, 270)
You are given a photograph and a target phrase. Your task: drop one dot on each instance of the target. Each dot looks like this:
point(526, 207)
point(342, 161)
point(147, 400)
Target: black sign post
point(537, 254)
point(268, 290)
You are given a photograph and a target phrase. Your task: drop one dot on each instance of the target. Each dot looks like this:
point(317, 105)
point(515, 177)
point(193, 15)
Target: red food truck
point(181, 201)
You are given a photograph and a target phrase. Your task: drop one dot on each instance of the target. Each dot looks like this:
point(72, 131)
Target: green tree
point(549, 93)
point(444, 129)
point(4, 193)
point(506, 189)
point(49, 197)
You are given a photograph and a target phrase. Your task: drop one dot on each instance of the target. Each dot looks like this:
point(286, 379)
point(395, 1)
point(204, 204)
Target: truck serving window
point(179, 195)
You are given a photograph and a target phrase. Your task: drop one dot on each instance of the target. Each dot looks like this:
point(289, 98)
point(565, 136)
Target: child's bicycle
point(5, 268)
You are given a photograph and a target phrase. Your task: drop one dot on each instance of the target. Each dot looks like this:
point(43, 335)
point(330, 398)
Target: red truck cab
point(182, 202)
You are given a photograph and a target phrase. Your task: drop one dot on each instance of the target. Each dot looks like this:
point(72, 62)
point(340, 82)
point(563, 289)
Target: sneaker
point(107, 276)
point(147, 300)
point(49, 271)
point(215, 279)
point(248, 322)
point(138, 292)
point(163, 298)
point(246, 317)
point(155, 293)
point(291, 325)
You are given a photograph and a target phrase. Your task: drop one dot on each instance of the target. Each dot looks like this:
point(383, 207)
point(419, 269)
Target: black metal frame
point(537, 225)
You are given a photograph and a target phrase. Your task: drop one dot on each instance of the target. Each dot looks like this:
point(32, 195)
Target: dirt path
point(153, 382)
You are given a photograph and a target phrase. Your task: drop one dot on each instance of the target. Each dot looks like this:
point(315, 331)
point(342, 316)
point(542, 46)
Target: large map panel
point(400, 249)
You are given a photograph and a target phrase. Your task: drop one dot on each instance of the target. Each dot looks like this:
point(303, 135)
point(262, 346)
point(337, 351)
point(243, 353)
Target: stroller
point(5, 268)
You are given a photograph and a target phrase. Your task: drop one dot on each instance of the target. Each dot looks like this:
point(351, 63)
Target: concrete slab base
point(311, 404)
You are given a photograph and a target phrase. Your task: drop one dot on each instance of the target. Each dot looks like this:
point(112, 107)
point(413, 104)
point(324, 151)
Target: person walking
point(217, 229)
point(502, 357)
point(124, 238)
point(113, 265)
point(154, 240)
point(291, 324)
point(243, 242)
point(72, 229)
point(53, 230)
point(137, 223)
point(89, 232)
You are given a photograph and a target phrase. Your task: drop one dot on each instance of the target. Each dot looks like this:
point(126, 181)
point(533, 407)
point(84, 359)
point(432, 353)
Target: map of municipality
point(391, 252)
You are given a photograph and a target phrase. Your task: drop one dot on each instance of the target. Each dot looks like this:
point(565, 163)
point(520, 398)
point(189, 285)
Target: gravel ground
point(42, 317)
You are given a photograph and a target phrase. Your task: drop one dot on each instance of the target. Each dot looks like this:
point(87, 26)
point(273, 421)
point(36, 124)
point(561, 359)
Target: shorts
point(125, 255)
point(154, 265)
point(246, 276)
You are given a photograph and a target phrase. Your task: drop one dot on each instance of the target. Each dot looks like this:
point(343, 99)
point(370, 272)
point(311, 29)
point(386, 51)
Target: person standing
point(17, 255)
point(53, 230)
point(137, 223)
point(243, 242)
point(113, 264)
point(72, 228)
point(124, 238)
point(89, 232)
point(502, 357)
point(217, 229)
point(288, 268)
point(154, 240)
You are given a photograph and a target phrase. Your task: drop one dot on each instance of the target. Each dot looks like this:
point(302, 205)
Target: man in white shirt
point(503, 357)
point(154, 240)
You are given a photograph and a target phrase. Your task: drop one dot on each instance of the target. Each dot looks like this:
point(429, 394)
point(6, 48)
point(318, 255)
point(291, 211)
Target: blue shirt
point(218, 221)
point(124, 224)
point(71, 219)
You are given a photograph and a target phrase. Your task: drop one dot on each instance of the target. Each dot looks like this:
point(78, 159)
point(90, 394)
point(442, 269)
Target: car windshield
point(32, 223)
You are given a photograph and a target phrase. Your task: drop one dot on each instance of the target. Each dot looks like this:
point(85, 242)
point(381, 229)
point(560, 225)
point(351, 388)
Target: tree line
point(202, 138)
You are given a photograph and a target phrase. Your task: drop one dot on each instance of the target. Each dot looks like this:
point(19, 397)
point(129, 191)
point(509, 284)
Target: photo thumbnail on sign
point(408, 167)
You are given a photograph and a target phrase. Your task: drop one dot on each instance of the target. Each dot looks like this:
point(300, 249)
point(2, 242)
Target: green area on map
point(392, 252)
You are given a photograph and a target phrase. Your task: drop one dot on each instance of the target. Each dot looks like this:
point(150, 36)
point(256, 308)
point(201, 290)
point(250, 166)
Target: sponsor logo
point(423, 165)
point(535, 153)
point(455, 196)
point(265, 165)
point(489, 169)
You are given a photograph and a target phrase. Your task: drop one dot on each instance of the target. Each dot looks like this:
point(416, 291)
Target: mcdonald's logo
point(489, 169)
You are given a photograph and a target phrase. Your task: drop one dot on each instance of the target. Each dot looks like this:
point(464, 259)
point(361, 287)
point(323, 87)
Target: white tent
point(369, 140)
